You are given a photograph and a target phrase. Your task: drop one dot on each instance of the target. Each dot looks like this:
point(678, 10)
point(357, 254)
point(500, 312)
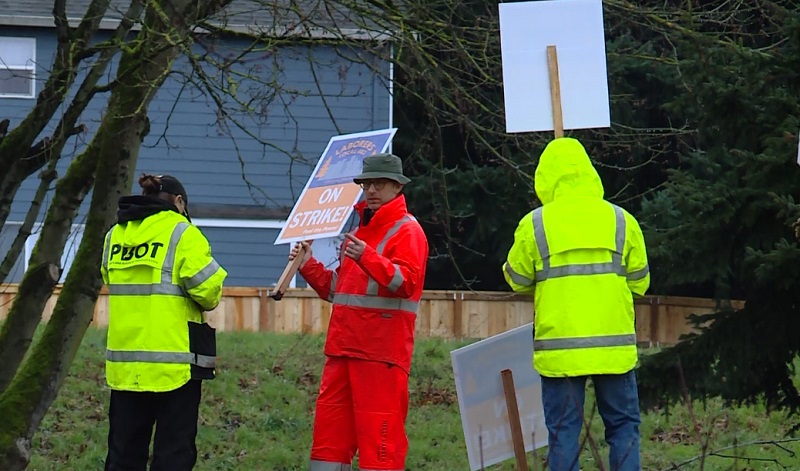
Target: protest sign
point(481, 399)
point(579, 79)
point(327, 200)
point(329, 195)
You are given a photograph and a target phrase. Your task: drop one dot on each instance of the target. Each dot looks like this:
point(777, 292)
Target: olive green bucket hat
point(382, 166)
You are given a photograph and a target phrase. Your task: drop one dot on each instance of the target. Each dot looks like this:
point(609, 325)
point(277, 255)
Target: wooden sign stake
point(555, 91)
point(286, 276)
point(513, 418)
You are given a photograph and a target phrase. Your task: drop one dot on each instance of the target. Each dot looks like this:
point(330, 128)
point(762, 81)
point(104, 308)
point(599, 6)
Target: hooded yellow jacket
point(161, 278)
point(583, 259)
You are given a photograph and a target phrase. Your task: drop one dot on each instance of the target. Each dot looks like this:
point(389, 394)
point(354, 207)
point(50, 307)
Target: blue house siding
point(297, 124)
point(223, 165)
point(263, 259)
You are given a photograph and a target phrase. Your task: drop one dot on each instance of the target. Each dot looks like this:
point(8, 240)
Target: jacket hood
point(565, 170)
point(141, 217)
point(134, 208)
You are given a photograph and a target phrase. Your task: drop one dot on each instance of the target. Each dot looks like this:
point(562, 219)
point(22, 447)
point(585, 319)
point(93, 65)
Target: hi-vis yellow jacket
point(583, 259)
point(161, 277)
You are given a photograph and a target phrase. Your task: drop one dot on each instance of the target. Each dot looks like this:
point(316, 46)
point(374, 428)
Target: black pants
point(131, 419)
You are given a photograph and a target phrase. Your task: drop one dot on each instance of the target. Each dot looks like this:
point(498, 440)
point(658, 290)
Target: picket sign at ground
point(481, 398)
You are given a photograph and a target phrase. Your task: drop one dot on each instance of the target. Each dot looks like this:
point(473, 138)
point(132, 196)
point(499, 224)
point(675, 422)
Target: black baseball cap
point(171, 185)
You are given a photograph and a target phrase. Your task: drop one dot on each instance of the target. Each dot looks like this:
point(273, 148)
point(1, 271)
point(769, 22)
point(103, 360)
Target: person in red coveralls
point(375, 291)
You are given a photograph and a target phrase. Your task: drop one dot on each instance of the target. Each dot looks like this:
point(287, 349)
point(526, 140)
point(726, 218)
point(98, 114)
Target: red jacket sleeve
point(401, 269)
point(321, 279)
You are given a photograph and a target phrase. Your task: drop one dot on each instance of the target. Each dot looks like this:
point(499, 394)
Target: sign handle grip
point(555, 91)
point(513, 418)
point(286, 276)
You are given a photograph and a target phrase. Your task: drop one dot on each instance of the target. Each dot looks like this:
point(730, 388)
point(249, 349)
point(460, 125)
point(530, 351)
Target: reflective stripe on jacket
point(583, 259)
point(161, 277)
point(375, 300)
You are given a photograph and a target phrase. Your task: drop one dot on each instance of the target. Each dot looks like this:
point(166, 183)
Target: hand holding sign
point(305, 248)
point(300, 254)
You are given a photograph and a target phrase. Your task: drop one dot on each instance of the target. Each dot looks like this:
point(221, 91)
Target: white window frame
point(70, 248)
point(29, 64)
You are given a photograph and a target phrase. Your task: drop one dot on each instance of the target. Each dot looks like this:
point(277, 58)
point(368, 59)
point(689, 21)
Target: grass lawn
point(257, 415)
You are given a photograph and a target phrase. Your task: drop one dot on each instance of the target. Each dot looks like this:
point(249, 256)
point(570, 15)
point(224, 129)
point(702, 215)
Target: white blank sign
point(575, 27)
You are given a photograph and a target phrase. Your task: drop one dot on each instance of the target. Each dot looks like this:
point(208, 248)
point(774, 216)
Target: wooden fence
point(660, 320)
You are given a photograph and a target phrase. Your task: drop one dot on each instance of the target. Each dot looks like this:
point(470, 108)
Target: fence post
point(654, 321)
point(458, 313)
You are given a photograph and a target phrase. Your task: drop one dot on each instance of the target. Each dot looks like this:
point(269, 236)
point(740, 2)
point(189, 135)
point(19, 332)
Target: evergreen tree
point(722, 226)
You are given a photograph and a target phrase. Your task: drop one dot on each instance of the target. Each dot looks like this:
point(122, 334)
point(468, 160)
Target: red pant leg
point(380, 403)
point(334, 428)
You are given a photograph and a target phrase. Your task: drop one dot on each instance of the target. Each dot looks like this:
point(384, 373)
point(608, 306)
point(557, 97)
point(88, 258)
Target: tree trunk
point(142, 70)
point(36, 287)
point(26, 313)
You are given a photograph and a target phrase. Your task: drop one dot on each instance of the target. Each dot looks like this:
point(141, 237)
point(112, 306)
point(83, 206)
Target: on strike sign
point(329, 195)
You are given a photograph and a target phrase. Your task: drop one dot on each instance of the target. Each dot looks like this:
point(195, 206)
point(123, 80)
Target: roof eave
point(313, 33)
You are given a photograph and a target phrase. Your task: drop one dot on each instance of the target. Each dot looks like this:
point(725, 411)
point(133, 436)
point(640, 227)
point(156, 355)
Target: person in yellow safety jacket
point(584, 260)
point(161, 278)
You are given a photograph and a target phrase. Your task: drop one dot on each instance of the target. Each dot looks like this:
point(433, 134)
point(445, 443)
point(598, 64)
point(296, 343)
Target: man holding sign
point(375, 291)
point(583, 259)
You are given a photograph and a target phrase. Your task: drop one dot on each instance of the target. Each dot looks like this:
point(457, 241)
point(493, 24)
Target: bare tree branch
point(62, 24)
point(717, 452)
point(13, 156)
point(46, 179)
point(88, 87)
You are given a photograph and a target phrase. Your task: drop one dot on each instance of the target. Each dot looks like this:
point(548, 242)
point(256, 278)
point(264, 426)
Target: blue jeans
point(618, 403)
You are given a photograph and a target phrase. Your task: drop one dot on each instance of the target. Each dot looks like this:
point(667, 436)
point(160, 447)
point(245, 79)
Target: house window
point(17, 67)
